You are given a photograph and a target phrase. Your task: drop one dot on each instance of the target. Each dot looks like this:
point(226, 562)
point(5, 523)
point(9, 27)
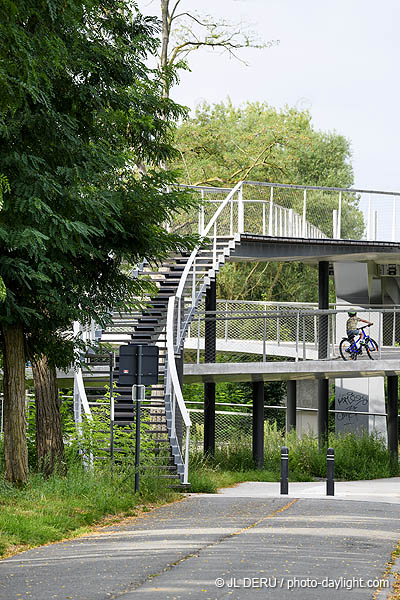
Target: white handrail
point(82, 393)
point(78, 376)
point(189, 263)
point(173, 373)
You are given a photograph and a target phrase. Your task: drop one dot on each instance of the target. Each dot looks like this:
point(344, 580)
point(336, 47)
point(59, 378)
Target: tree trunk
point(15, 446)
point(49, 439)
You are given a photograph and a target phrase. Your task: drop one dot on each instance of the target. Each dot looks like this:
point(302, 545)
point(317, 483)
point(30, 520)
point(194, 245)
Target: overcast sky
point(337, 58)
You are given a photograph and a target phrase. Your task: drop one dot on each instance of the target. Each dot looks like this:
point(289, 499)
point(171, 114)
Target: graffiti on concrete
point(352, 401)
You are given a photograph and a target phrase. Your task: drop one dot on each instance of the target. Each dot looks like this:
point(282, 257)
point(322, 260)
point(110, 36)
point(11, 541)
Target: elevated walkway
point(278, 371)
point(251, 222)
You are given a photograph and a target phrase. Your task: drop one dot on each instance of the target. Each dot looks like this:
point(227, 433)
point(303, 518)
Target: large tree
point(79, 111)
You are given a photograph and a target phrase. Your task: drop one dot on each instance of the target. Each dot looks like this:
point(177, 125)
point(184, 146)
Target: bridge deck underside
point(260, 248)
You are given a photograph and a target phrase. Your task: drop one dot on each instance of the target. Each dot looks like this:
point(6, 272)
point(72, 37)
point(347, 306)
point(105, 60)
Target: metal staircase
point(163, 418)
point(182, 282)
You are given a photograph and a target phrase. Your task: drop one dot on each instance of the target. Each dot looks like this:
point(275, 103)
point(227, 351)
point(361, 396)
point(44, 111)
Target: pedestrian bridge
point(254, 221)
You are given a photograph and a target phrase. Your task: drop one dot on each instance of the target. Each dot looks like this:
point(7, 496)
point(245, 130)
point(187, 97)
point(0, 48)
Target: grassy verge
point(48, 510)
point(356, 457)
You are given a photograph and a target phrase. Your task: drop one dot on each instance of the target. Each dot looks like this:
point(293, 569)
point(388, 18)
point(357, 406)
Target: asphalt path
point(218, 547)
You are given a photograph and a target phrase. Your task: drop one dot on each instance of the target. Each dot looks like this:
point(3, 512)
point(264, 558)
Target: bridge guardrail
point(284, 210)
point(288, 330)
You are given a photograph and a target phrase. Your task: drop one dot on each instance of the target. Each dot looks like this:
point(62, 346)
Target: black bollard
point(284, 470)
point(330, 472)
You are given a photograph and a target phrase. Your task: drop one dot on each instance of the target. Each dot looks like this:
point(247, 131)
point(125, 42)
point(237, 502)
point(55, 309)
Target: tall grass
point(47, 510)
point(356, 457)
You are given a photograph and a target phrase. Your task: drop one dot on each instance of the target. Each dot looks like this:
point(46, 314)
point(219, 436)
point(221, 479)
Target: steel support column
point(392, 412)
point(323, 384)
point(258, 423)
point(210, 353)
point(291, 404)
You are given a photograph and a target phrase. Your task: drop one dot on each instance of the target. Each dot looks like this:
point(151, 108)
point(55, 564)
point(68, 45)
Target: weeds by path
point(48, 510)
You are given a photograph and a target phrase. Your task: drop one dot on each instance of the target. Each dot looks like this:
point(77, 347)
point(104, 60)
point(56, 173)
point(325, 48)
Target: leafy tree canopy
point(79, 111)
point(223, 144)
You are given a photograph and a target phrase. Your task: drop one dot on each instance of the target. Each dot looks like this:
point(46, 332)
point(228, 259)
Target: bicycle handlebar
point(364, 326)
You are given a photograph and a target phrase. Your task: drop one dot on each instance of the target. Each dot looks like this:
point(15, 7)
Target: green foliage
point(80, 112)
point(95, 435)
point(223, 144)
point(48, 510)
point(356, 457)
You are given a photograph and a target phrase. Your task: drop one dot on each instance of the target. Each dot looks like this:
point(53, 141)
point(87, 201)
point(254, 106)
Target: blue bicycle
point(351, 348)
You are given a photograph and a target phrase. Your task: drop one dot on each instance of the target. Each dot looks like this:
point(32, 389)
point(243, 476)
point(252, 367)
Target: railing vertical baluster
point(304, 338)
point(202, 213)
point(297, 334)
point(276, 220)
point(278, 329)
point(394, 219)
point(369, 228)
point(215, 245)
point(280, 223)
point(186, 464)
point(265, 339)
point(394, 327)
point(198, 340)
point(339, 220)
point(263, 218)
point(226, 322)
point(380, 335)
point(304, 232)
point(194, 282)
point(271, 208)
point(290, 222)
point(328, 339)
point(240, 210)
point(334, 224)
point(315, 333)
point(231, 219)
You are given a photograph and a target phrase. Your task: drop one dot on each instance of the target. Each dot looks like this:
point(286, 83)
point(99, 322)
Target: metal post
point(271, 209)
point(265, 340)
point(323, 384)
point(392, 411)
point(138, 398)
point(210, 352)
point(240, 210)
point(369, 227)
point(112, 409)
point(291, 405)
point(263, 218)
point(304, 232)
point(330, 472)
point(284, 470)
point(334, 224)
point(258, 424)
point(339, 220)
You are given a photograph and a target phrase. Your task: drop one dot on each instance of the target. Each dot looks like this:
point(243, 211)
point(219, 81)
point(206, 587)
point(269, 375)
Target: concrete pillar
point(210, 353)
point(392, 412)
point(323, 384)
point(258, 423)
point(291, 405)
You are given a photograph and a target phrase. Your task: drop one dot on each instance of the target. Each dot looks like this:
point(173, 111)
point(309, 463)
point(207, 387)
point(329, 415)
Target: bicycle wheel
point(372, 348)
point(346, 352)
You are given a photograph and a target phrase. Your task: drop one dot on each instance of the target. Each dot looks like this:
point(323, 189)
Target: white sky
point(337, 58)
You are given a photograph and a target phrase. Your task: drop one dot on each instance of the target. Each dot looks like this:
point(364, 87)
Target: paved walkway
point(243, 543)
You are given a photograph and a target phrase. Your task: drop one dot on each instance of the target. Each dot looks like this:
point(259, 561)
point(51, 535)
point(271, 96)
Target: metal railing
point(289, 330)
point(285, 210)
